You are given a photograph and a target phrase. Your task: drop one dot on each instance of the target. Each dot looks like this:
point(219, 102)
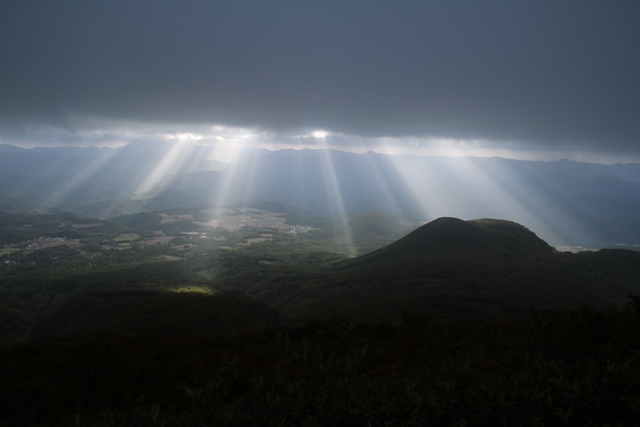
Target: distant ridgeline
point(565, 202)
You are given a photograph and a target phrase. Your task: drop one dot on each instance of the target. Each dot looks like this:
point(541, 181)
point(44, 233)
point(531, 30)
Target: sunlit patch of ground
point(160, 240)
point(70, 243)
point(117, 245)
point(170, 258)
point(126, 237)
point(45, 243)
point(6, 251)
point(238, 218)
point(192, 290)
point(253, 240)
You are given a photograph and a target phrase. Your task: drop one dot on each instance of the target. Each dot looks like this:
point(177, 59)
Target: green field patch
point(126, 237)
point(202, 290)
point(6, 251)
point(118, 247)
point(171, 258)
point(253, 240)
point(52, 244)
point(240, 218)
point(160, 240)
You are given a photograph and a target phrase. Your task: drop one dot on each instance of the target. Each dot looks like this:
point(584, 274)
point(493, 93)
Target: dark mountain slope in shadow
point(452, 234)
point(148, 313)
point(449, 268)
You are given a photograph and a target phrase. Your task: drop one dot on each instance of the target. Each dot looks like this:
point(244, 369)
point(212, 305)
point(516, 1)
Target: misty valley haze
point(565, 202)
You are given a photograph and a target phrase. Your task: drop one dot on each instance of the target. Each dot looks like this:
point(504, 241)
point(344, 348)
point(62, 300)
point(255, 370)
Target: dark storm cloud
point(554, 73)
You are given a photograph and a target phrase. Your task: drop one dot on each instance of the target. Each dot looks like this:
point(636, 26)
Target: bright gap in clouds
point(183, 137)
point(320, 134)
point(91, 132)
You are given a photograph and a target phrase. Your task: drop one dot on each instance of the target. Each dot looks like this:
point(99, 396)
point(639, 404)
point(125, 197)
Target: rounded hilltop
point(448, 234)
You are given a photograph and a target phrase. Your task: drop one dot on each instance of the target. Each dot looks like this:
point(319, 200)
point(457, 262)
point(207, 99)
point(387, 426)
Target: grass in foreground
point(577, 368)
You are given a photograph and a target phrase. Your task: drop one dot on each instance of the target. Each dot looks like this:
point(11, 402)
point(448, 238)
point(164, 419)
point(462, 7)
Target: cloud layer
point(547, 75)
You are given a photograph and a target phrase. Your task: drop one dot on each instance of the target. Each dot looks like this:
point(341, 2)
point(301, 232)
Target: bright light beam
point(90, 169)
point(537, 212)
point(331, 181)
point(232, 177)
point(423, 187)
point(171, 161)
point(381, 183)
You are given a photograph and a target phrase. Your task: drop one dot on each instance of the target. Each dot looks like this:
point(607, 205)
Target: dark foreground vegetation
point(577, 368)
point(167, 320)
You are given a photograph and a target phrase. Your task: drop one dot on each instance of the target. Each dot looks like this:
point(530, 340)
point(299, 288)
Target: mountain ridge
point(565, 202)
point(448, 267)
point(447, 234)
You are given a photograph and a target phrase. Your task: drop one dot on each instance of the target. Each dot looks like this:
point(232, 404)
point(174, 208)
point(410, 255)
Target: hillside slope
point(452, 234)
point(448, 268)
point(145, 313)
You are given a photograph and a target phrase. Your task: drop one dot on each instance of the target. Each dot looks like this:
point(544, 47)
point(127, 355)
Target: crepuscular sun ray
point(332, 186)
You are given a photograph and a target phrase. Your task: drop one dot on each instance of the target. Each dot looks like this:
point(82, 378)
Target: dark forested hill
point(148, 313)
point(447, 268)
point(452, 234)
point(124, 330)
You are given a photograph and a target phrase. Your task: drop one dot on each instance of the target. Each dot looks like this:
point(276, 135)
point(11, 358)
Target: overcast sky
point(542, 76)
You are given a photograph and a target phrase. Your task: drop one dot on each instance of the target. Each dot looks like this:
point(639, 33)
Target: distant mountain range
point(565, 202)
